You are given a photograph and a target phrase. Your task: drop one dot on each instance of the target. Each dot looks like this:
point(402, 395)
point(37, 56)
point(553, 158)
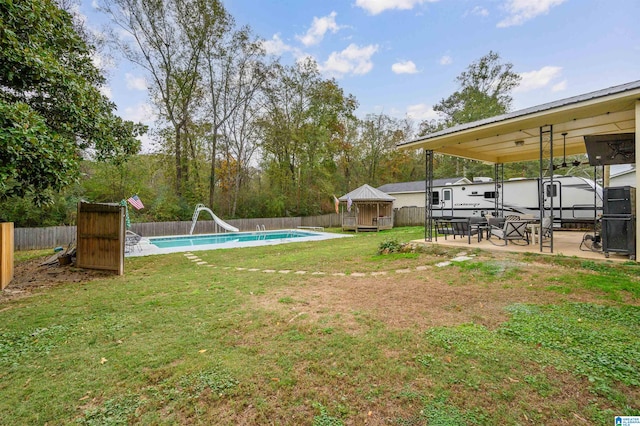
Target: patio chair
point(512, 230)
point(131, 242)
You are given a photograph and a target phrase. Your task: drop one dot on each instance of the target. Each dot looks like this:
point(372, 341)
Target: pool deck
point(146, 248)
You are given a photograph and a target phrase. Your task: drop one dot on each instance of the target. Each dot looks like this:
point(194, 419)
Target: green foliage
point(50, 105)
point(324, 419)
point(115, 411)
point(600, 340)
point(389, 246)
point(215, 379)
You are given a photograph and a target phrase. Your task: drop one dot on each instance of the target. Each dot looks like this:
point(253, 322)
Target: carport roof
point(492, 140)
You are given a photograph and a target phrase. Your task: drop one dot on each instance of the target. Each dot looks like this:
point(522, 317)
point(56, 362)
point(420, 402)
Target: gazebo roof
point(367, 193)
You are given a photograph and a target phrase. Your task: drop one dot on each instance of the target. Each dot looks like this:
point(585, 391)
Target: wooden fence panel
point(101, 237)
point(6, 254)
point(409, 216)
point(54, 236)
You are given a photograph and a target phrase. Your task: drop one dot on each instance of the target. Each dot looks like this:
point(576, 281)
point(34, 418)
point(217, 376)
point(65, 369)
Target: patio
point(565, 243)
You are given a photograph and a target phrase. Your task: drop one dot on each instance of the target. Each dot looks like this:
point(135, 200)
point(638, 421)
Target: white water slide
point(221, 223)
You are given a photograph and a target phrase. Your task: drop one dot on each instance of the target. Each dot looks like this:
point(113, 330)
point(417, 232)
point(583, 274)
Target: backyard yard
point(323, 333)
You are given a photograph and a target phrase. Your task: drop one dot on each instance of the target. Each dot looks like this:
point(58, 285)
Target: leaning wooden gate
point(101, 234)
point(6, 254)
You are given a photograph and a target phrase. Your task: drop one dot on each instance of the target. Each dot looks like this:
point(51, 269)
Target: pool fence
point(62, 236)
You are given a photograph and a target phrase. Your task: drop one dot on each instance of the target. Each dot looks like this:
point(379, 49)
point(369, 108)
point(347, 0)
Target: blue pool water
point(228, 238)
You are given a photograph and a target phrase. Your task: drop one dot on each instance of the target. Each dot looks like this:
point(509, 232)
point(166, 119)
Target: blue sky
point(401, 57)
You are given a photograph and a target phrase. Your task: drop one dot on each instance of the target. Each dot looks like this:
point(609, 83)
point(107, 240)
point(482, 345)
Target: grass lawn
point(327, 333)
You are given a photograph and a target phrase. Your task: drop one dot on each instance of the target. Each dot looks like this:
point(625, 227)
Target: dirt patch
point(423, 299)
point(31, 277)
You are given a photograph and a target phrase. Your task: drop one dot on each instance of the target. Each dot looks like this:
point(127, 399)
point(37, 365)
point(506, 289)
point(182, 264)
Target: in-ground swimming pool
point(231, 237)
point(181, 243)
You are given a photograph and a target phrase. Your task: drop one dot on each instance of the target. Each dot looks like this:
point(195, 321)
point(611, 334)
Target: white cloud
point(422, 112)
point(377, 6)
point(559, 87)
point(445, 60)
point(106, 91)
point(520, 11)
point(141, 113)
point(406, 67)
point(478, 11)
point(538, 79)
point(352, 60)
point(276, 46)
point(135, 83)
point(319, 28)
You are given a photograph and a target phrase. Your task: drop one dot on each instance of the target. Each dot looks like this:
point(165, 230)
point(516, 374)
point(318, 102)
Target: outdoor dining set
point(514, 229)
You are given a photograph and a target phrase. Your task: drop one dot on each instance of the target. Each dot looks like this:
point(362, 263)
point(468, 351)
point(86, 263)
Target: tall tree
point(234, 73)
point(168, 38)
point(485, 91)
point(51, 109)
point(300, 125)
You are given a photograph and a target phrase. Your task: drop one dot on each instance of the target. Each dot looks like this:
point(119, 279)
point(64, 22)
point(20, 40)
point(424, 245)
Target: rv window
point(490, 194)
point(435, 197)
point(446, 195)
point(555, 190)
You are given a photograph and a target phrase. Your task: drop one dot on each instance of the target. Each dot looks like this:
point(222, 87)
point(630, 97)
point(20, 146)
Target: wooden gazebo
point(367, 209)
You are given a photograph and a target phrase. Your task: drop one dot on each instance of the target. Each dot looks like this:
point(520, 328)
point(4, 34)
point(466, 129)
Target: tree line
point(236, 130)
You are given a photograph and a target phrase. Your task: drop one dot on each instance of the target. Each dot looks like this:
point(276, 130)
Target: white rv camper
point(575, 199)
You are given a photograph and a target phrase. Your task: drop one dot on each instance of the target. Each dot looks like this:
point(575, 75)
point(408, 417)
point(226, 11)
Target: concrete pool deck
point(146, 248)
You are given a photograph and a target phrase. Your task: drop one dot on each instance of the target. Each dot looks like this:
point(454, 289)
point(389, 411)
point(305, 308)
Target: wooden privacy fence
point(101, 232)
point(6, 254)
point(54, 236)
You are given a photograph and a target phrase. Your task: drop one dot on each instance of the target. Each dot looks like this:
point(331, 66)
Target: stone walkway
point(461, 257)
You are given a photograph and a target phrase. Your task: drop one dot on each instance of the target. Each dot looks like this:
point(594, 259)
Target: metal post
point(546, 131)
point(428, 196)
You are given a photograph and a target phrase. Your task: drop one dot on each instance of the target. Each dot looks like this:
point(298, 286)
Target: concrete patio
point(565, 243)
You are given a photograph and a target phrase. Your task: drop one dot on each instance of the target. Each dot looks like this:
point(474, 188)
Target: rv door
point(446, 203)
point(555, 194)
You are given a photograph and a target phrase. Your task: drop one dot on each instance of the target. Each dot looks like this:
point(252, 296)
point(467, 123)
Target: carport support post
point(428, 196)
point(637, 174)
point(546, 130)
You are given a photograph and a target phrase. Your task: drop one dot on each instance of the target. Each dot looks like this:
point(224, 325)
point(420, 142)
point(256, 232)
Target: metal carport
point(526, 134)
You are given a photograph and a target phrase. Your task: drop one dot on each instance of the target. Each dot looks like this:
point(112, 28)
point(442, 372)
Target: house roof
point(419, 185)
point(492, 140)
point(367, 193)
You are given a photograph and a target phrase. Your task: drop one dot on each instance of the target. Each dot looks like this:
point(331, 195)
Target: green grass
point(173, 343)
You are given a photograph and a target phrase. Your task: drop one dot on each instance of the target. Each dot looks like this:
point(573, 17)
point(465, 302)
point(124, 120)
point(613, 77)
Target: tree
point(169, 41)
point(484, 92)
point(51, 110)
point(300, 129)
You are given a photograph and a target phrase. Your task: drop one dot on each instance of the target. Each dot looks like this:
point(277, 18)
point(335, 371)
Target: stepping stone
point(358, 274)
point(421, 268)
point(403, 271)
point(285, 271)
point(443, 264)
point(269, 271)
point(461, 258)
point(375, 274)
point(202, 263)
point(317, 273)
point(339, 274)
point(300, 272)
point(253, 270)
point(240, 269)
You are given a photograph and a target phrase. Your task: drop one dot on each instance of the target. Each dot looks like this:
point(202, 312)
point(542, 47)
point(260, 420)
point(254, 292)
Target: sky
point(400, 57)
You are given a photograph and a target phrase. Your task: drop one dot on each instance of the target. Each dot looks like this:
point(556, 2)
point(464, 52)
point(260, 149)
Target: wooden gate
point(101, 233)
point(6, 254)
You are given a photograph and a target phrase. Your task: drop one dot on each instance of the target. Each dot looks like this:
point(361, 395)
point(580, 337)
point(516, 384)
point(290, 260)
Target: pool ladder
point(263, 230)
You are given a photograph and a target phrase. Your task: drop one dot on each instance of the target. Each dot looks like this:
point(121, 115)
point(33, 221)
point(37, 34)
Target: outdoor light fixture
point(519, 143)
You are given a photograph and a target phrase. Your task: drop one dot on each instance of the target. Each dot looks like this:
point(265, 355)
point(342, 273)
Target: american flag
point(135, 202)
point(349, 203)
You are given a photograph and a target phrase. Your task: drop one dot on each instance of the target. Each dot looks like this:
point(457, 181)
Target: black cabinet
point(619, 235)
